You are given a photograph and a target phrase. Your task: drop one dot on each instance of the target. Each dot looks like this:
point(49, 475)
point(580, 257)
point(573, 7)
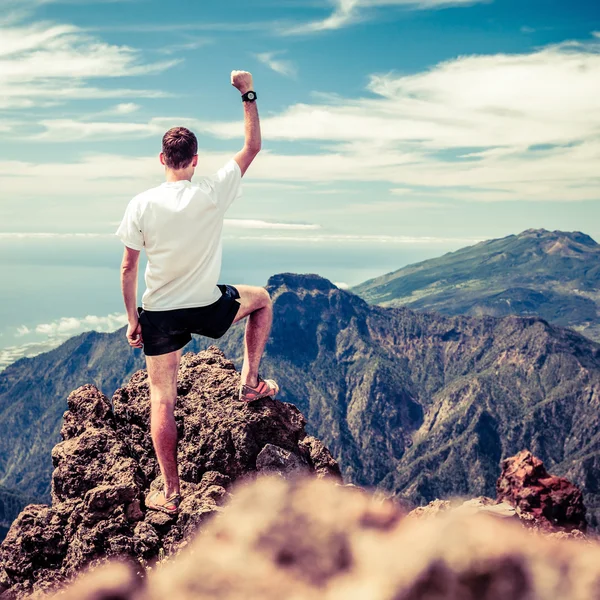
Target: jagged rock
point(105, 466)
point(272, 459)
point(311, 540)
point(548, 502)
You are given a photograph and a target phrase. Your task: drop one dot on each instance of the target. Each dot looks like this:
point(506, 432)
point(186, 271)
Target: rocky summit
point(105, 466)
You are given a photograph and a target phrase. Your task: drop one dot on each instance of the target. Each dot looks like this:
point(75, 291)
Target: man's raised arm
point(242, 80)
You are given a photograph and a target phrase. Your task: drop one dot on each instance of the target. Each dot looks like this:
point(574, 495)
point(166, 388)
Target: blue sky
point(429, 118)
point(408, 126)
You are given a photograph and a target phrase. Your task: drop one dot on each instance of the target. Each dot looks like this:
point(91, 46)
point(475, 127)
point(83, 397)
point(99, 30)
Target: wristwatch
point(249, 97)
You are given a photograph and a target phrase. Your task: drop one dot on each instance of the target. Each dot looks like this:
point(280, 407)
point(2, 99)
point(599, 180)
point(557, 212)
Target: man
point(179, 225)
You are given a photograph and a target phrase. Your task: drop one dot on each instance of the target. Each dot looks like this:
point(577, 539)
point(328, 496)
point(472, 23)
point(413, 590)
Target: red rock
point(545, 501)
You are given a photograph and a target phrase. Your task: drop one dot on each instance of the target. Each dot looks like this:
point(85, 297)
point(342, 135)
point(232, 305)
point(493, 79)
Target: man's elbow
point(128, 268)
point(253, 148)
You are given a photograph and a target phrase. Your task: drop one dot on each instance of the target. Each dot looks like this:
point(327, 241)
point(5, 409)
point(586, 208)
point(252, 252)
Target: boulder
point(546, 501)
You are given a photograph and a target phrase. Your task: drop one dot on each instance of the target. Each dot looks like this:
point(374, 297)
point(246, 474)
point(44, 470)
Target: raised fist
point(242, 80)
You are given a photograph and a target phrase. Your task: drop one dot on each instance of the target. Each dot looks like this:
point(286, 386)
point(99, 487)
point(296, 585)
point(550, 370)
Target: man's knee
point(163, 395)
point(252, 299)
point(264, 298)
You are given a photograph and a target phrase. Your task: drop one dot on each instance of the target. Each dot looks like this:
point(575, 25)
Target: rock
point(433, 509)
point(319, 456)
point(480, 505)
point(547, 502)
point(115, 581)
point(316, 541)
point(483, 505)
point(105, 466)
point(272, 459)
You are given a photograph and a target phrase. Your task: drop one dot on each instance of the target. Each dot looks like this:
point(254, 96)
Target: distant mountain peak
point(551, 274)
point(307, 281)
point(577, 237)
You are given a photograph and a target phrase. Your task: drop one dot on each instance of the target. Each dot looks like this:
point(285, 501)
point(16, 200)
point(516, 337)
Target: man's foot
point(266, 388)
point(156, 501)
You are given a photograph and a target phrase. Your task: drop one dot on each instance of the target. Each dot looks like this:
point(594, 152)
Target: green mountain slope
point(422, 405)
point(11, 504)
point(554, 275)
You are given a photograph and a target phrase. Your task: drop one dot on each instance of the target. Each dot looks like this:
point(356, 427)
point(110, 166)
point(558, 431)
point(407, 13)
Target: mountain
point(422, 405)
point(551, 274)
point(33, 393)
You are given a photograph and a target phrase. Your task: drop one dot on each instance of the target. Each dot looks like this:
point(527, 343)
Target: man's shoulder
point(147, 195)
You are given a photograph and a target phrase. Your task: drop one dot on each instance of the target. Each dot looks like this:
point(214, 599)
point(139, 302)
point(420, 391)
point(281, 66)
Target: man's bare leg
point(256, 305)
point(162, 373)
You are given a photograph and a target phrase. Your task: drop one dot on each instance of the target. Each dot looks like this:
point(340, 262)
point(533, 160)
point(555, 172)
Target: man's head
point(179, 150)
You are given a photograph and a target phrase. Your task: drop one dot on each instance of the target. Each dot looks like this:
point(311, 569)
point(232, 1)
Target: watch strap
point(249, 96)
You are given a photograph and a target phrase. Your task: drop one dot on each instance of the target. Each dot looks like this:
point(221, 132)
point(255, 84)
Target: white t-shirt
point(179, 225)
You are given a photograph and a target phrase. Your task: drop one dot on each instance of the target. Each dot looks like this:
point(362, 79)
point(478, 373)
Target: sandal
point(266, 388)
point(170, 505)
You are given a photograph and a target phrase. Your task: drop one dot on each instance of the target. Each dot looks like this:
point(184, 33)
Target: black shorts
point(165, 331)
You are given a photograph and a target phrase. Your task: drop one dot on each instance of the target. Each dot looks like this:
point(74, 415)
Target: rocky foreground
point(313, 540)
point(106, 465)
point(296, 534)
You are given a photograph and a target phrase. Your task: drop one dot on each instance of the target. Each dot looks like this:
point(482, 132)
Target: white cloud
point(68, 130)
point(347, 12)
point(126, 108)
point(533, 120)
point(15, 235)
point(283, 67)
point(45, 62)
point(482, 128)
point(258, 224)
point(194, 44)
point(11, 354)
point(342, 285)
point(102, 176)
point(365, 239)
point(69, 326)
point(57, 332)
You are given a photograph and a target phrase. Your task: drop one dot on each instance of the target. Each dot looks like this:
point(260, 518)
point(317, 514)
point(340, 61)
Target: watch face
point(251, 96)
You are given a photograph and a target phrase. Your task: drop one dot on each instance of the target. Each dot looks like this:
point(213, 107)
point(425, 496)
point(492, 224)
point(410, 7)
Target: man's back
point(179, 224)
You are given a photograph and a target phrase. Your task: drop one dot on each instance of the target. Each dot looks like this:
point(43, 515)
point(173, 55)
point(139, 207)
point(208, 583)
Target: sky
point(389, 124)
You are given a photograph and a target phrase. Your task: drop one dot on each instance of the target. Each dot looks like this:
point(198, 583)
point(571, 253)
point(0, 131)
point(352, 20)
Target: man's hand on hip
point(242, 80)
point(134, 335)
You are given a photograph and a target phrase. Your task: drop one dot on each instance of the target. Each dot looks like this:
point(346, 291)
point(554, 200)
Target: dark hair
point(179, 146)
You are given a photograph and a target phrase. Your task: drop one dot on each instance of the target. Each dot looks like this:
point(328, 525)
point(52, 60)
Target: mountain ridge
point(421, 405)
point(552, 274)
